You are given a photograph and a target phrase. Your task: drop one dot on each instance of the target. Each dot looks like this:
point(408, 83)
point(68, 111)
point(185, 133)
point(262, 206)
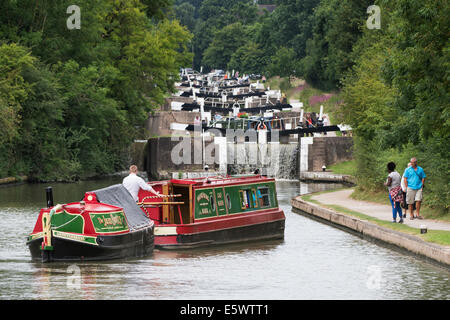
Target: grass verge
point(441, 237)
point(345, 167)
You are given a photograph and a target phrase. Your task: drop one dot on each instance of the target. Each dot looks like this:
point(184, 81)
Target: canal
point(314, 261)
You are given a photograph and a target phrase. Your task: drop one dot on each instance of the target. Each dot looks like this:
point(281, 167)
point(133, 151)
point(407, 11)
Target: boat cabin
point(187, 201)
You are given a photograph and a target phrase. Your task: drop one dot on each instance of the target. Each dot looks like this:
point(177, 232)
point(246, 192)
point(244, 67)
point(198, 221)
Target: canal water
point(314, 261)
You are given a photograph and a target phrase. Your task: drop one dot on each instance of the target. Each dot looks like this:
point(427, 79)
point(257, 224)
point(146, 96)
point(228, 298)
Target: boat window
point(248, 199)
point(244, 199)
point(254, 199)
point(213, 204)
point(263, 197)
point(228, 201)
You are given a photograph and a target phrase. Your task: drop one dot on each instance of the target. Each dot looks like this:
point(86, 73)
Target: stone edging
point(13, 179)
point(435, 252)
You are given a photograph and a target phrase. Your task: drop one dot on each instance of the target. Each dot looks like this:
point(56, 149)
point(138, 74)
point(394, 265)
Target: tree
point(72, 100)
point(185, 13)
point(283, 63)
point(248, 59)
point(418, 65)
point(14, 90)
point(213, 15)
point(336, 28)
point(225, 44)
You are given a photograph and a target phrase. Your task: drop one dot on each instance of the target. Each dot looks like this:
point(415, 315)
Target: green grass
point(345, 167)
point(435, 236)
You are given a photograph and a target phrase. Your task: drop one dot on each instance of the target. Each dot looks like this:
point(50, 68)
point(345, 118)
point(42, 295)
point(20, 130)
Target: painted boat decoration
point(106, 224)
point(213, 210)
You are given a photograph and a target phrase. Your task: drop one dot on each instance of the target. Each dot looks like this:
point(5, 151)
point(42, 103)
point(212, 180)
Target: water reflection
point(314, 261)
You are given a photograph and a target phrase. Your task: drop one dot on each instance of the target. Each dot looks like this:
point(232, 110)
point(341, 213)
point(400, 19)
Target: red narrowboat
point(106, 224)
point(213, 210)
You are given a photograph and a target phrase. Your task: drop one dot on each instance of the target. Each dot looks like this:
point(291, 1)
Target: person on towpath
point(395, 192)
point(414, 181)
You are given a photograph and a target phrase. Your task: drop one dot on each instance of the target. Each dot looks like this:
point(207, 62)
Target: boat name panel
point(109, 222)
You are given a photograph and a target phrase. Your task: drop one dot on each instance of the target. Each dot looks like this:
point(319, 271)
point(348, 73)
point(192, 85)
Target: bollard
point(423, 229)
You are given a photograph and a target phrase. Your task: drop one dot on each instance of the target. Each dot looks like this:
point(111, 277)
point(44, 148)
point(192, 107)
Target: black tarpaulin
point(118, 195)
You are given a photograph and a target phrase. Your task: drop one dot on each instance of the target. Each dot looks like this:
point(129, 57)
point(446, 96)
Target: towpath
point(376, 210)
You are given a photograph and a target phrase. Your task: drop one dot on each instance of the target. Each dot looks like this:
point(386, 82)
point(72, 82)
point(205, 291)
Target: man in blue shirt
point(414, 179)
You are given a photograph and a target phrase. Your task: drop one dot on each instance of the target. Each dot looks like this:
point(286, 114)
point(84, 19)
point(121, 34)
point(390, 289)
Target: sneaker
point(401, 221)
point(419, 217)
point(412, 218)
point(393, 221)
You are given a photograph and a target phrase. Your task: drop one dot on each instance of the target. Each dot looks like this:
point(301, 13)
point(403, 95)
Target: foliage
point(248, 58)
point(336, 28)
point(397, 97)
point(14, 90)
point(282, 63)
point(72, 100)
point(226, 42)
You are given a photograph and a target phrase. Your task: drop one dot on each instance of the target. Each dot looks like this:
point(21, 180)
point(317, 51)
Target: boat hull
point(219, 232)
point(138, 243)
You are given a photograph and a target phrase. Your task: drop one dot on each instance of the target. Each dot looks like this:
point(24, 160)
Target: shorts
point(413, 195)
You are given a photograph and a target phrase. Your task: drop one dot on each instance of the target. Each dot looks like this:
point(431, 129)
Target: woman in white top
point(393, 183)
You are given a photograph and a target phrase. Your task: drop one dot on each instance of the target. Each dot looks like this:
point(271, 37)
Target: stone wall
point(159, 163)
point(158, 124)
point(329, 150)
point(136, 154)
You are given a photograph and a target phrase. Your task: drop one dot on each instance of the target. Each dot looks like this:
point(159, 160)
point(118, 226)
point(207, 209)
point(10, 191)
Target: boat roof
point(221, 180)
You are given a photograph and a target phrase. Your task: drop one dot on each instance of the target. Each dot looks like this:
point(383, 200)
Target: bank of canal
point(371, 220)
point(314, 261)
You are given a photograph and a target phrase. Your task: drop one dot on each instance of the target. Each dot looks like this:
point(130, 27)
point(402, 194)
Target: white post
point(203, 149)
point(235, 109)
point(221, 143)
point(321, 112)
point(262, 136)
point(202, 107)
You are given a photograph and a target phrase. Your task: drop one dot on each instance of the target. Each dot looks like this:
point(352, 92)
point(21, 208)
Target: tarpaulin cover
point(118, 195)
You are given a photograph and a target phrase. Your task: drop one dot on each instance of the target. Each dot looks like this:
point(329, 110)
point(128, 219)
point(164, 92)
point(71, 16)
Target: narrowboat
point(106, 224)
point(213, 210)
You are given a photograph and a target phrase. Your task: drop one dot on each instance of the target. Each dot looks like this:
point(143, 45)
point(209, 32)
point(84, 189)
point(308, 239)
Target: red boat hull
point(260, 225)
